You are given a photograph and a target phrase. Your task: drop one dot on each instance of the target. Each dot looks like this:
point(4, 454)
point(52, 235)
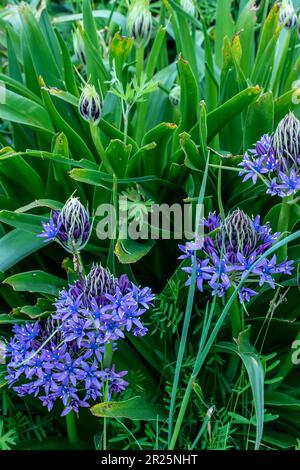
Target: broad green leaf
point(280, 399)
point(19, 109)
point(131, 251)
point(273, 216)
point(36, 281)
point(255, 373)
point(119, 51)
point(269, 29)
point(43, 307)
point(285, 103)
point(16, 245)
point(30, 223)
point(41, 54)
point(259, 119)
point(160, 135)
point(218, 118)
point(117, 154)
point(188, 95)
point(14, 169)
point(192, 155)
point(245, 25)
point(136, 408)
point(6, 319)
point(224, 26)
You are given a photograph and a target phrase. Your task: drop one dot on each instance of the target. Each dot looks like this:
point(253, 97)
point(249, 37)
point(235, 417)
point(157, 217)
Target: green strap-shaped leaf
point(22, 110)
point(130, 251)
point(259, 119)
point(255, 373)
point(15, 246)
point(218, 118)
point(40, 51)
point(28, 222)
point(117, 154)
point(36, 281)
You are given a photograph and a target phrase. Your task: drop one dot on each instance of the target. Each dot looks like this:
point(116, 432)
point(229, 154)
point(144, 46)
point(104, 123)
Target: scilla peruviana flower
point(139, 22)
point(90, 105)
point(275, 159)
point(60, 359)
point(224, 259)
point(44, 363)
point(70, 226)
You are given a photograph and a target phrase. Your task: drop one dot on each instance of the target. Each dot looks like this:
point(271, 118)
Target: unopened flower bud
point(188, 6)
point(90, 105)
point(286, 140)
point(287, 15)
point(73, 225)
point(78, 45)
point(240, 234)
point(139, 22)
point(99, 282)
point(3, 351)
point(174, 95)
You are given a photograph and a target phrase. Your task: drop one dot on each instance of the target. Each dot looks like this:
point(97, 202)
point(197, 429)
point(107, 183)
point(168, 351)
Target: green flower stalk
point(139, 22)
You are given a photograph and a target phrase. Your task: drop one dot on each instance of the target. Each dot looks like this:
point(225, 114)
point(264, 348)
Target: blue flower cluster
point(275, 159)
point(227, 252)
point(62, 358)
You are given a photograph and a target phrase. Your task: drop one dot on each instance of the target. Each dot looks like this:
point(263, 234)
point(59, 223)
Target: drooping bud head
point(287, 15)
point(139, 22)
point(286, 140)
point(174, 95)
point(90, 105)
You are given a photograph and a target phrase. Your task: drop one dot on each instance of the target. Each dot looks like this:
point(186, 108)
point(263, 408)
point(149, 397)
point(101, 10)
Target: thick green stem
point(139, 51)
point(78, 265)
point(107, 361)
point(235, 315)
point(71, 428)
point(108, 353)
point(236, 327)
point(140, 106)
point(283, 225)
